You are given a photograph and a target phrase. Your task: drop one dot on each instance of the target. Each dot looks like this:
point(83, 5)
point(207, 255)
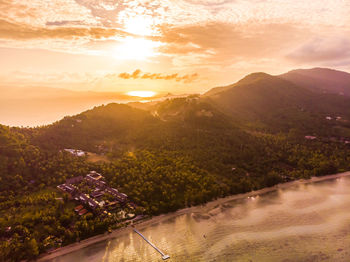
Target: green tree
point(32, 248)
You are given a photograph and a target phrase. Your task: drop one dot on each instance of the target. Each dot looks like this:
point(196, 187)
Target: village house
point(94, 175)
point(66, 188)
point(82, 212)
point(83, 198)
point(78, 208)
point(92, 203)
point(119, 196)
point(112, 205)
point(98, 183)
point(96, 194)
point(75, 152)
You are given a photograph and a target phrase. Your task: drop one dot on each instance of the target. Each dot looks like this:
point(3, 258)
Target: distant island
point(103, 168)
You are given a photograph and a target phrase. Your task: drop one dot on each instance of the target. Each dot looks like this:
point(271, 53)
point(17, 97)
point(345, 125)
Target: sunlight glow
point(142, 93)
point(135, 49)
point(139, 25)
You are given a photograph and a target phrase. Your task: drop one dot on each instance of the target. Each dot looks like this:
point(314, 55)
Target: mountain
point(258, 96)
point(95, 128)
point(259, 101)
point(249, 79)
point(118, 127)
point(276, 104)
point(23, 106)
point(322, 80)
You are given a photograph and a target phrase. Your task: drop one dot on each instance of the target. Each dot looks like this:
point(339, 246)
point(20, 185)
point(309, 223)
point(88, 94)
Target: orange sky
point(179, 46)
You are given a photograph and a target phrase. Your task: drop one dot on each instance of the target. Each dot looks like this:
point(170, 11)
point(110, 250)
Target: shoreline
point(154, 220)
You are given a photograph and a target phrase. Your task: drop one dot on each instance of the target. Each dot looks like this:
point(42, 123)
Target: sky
point(179, 46)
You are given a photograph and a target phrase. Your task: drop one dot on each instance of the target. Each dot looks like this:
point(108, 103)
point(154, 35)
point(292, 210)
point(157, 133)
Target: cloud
point(217, 35)
point(217, 43)
point(9, 30)
point(64, 22)
point(137, 74)
point(331, 49)
point(209, 2)
point(220, 39)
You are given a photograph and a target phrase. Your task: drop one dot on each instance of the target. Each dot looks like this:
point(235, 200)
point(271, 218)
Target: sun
point(138, 45)
point(132, 48)
point(141, 93)
point(139, 25)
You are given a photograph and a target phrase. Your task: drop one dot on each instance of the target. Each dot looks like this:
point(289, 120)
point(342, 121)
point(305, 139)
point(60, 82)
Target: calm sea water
point(307, 222)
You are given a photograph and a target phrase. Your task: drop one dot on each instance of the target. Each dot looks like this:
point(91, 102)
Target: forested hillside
point(258, 132)
point(322, 80)
point(273, 104)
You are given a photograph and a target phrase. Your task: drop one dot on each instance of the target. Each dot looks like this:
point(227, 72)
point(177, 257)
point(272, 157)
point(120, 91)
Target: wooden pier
point(164, 256)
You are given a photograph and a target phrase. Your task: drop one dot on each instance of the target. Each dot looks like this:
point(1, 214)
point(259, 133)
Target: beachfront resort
point(93, 195)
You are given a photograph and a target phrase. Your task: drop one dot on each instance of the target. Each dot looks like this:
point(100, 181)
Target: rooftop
point(82, 212)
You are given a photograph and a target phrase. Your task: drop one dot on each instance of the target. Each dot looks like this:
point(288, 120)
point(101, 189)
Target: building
point(119, 196)
point(97, 187)
point(112, 205)
point(94, 175)
point(112, 190)
point(96, 194)
point(94, 178)
point(83, 198)
point(98, 183)
point(78, 208)
point(92, 203)
point(75, 152)
point(82, 212)
point(66, 188)
point(61, 187)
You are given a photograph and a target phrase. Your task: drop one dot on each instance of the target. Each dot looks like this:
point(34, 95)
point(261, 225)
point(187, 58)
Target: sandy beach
point(208, 206)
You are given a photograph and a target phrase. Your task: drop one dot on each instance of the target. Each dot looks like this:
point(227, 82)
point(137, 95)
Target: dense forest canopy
point(261, 131)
